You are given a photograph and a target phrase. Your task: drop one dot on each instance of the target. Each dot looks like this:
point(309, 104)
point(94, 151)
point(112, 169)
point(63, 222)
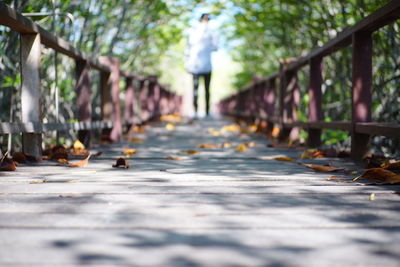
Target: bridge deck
point(218, 207)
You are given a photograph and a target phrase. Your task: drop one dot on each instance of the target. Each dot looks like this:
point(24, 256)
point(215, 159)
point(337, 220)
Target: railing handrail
point(361, 127)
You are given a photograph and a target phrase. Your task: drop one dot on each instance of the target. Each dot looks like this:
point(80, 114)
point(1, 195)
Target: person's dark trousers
point(207, 79)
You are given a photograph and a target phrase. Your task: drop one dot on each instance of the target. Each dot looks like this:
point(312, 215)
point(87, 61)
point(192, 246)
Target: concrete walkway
point(215, 208)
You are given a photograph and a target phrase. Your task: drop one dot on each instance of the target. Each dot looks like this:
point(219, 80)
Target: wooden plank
point(17, 22)
point(361, 91)
point(37, 127)
point(379, 129)
point(30, 91)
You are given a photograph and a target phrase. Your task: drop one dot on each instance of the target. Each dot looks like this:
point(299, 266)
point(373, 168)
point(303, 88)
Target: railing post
point(113, 82)
point(289, 101)
point(143, 96)
point(30, 91)
point(130, 101)
point(315, 106)
point(83, 98)
point(361, 92)
point(270, 99)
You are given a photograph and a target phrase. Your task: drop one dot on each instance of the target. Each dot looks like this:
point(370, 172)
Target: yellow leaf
point(170, 127)
point(231, 128)
point(37, 181)
point(136, 140)
point(241, 148)
point(138, 129)
point(214, 132)
point(172, 158)
point(226, 145)
point(78, 145)
point(372, 197)
point(129, 152)
point(284, 159)
point(207, 146)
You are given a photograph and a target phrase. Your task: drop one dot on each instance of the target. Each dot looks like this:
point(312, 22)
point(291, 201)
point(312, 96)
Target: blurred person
point(202, 41)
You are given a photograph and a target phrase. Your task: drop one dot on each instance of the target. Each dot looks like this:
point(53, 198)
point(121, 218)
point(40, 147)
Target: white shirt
point(201, 43)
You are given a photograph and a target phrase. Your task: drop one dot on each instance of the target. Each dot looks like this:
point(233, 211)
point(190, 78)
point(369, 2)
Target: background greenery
point(149, 37)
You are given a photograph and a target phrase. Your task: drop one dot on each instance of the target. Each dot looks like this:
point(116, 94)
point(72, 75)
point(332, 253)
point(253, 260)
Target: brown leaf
point(284, 159)
point(136, 140)
point(81, 163)
point(191, 152)
point(207, 146)
point(380, 174)
point(391, 165)
point(59, 155)
point(19, 157)
point(121, 162)
point(322, 168)
point(7, 164)
point(241, 148)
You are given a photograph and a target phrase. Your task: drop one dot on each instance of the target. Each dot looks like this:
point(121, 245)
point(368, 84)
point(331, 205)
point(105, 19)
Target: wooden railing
point(155, 99)
point(259, 99)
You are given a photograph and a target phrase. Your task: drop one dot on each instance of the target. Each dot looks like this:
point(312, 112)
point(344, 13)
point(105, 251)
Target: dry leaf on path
point(121, 162)
point(81, 163)
point(78, 145)
point(322, 168)
point(170, 127)
point(172, 158)
point(380, 174)
point(129, 152)
point(7, 164)
point(19, 157)
point(191, 152)
point(241, 148)
point(207, 146)
point(136, 140)
point(250, 144)
point(226, 145)
point(284, 159)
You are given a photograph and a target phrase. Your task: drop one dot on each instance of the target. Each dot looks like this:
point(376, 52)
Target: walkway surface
point(215, 208)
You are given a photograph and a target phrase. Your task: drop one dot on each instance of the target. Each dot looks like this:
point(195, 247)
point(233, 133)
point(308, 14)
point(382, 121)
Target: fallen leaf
point(129, 152)
point(241, 148)
point(138, 129)
point(65, 161)
point(78, 145)
point(226, 145)
point(372, 197)
point(284, 159)
point(37, 181)
point(380, 174)
point(170, 127)
point(176, 118)
point(81, 163)
point(275, 132)
point(19, 157)
point(391, 165)
point(191, 151)
point(231, 128)
point(7, 164)
point(207, 146)
point(136, 140)
point(322, 168)
point(330, 178)
point(172, 158)
point(121, 162)
point(250, 144)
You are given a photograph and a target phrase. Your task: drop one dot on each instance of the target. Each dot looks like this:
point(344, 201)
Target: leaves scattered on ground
point(241, 148)
point(7, 164)
point(207, 146)
point(190, 152)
